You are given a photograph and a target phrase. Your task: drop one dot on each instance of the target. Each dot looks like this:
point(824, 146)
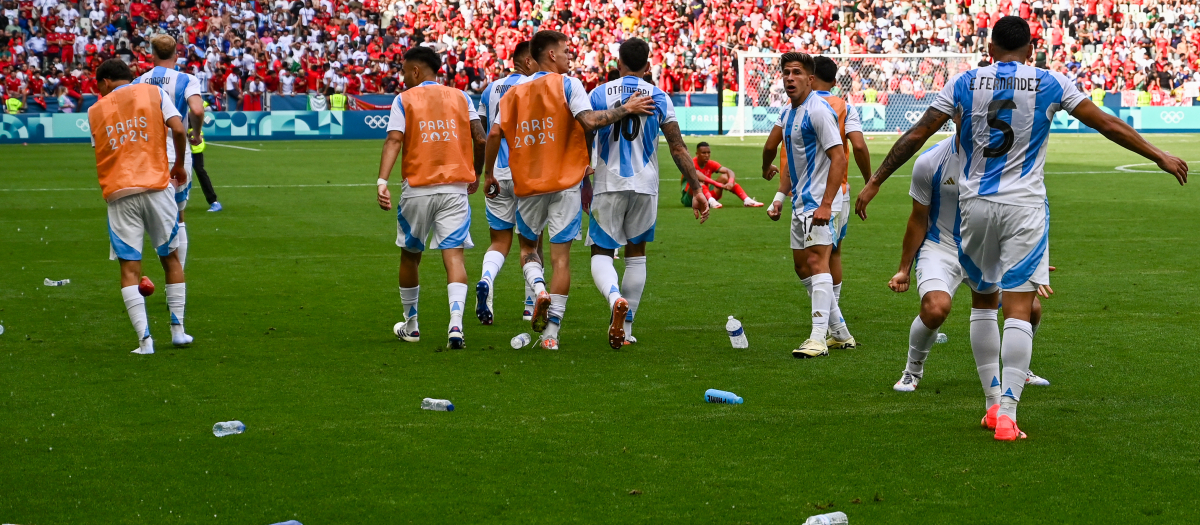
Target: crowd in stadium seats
point(243, 49)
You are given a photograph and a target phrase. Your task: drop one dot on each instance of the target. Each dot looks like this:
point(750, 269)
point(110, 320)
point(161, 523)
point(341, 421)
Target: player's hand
point(899, 282)
point(384, 197)
point(700, 206)
point(491, 187)
point(770, 172)
point(822, 215)
point(179, 175)
point(775, 210)
point(639, 105)
point(194, 139)
point(1173, 165)
point(728, 186)
point(1045, 290)
point(864, 198)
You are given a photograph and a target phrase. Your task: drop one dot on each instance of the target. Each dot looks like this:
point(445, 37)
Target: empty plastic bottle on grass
point(520, 341)
point(713, 395)
point(942, 338)
point(737, 336)
point(228, 428)
point(833, 518)
point(442, 405)
point(63, 282)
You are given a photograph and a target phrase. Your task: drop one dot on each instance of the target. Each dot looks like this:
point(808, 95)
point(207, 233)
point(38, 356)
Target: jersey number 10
point(628, 128)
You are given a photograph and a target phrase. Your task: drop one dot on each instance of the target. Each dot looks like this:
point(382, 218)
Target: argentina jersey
point(489, 104)
point(1007, 109)
point(625, 154)
point(809, 130)
point(935, 183)
point(179, 86)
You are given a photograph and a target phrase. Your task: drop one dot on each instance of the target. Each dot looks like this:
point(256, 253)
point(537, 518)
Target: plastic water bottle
point(48, 282)
point(833, 518)
point(227, 428)
point(441, 405)
point(713, 395)
point(520, 341)
point(941, 338)
point(737, 336)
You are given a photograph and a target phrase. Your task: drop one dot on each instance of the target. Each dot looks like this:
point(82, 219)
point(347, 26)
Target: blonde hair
point(163, 46)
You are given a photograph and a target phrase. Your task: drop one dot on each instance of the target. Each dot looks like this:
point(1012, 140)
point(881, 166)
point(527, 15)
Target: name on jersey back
point(1003, 83)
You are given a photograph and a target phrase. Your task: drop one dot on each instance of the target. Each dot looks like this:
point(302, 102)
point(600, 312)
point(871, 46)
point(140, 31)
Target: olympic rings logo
point(1171, 117)
point(376, 121)
point(913, 116)
point(83, 125)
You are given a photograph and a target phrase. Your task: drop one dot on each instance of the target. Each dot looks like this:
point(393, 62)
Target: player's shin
point(181, 251)
point(822, 300)
point(920, 340)
point(493, 261)
point(985, 345)
point(1016, 352)
point(633, 281)
point(534, 277)
point(176, 300)
point(837, 323)
point(135, 306)
point(737, 190)
point(558, 308)
point(408, 298)
point(605, 277)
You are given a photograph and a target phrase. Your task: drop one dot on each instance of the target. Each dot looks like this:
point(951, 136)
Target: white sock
point(408, 298)
point(181, 251)
point(807, 282)
point(822, 299)
point(135, 306)
point(985, 345)
point(176, 299)
point(558, 308)
point(605, 276)
point(837, 323)
point(633, 282)
point(920, 340)
point(492, 263)
point(528, 298)
point(534, 277)
point(457, 292)
point(1016, 351)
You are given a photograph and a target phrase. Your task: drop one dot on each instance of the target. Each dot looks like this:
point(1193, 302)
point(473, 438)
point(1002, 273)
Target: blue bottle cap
point(450, 407)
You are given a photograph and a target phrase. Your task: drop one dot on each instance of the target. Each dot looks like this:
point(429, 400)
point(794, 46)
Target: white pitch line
point(234, 147)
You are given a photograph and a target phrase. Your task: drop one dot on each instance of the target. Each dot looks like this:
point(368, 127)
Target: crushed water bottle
point(833, 518)
point(441, 405)
point(941, 338)
point(228, 428)
point(737, 336)
point(48, 282)
point(713, 395)
point(520, 341)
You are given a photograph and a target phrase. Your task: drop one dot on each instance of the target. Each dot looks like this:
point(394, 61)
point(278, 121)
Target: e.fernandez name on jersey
point(1005, 83)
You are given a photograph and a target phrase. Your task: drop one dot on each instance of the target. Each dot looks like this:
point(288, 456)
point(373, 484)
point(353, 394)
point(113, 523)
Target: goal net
point(891, 92)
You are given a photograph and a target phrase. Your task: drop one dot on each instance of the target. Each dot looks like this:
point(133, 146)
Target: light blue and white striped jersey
point(625, 154)
point(179, 86)
point(1007, 109)
point(489, 105)
point(935, 183)
point(809, 130)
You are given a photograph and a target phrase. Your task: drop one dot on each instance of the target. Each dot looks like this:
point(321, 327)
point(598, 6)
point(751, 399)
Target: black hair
point(825, 69)
point(114, 69)
point(702, 145)
point(612, 75)
point(542, 40)
point(521, 49)
point(634, 53)
point(424, 55)
point(805, 60)
point(1011, 33)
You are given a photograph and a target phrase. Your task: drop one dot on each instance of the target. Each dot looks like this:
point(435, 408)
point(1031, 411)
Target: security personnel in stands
point(13, 105)
point(198, 166)
point(1098, 94)
point(337, 101)
point(1143, 98)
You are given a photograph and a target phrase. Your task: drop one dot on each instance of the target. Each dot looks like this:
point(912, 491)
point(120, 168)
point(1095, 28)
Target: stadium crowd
point(49, 48)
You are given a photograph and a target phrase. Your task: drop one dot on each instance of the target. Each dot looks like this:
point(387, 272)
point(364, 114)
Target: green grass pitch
point(292, 295)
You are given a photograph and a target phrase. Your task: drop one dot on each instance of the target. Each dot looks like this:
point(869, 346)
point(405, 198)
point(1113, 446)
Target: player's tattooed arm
point(1123, 135)
point(634, 105)
point(683, 161)
point(904, 148)
point(479, 139)
point(770, 152)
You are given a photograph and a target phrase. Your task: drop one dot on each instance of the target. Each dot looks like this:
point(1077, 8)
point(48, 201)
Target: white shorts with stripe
point(133, 217)
point(805, 233)
point(618, 218)
point(446, 215)
point(501, 210)
point(938, 269)
point(1004, 246)
point(561, 212)
point(182, 192)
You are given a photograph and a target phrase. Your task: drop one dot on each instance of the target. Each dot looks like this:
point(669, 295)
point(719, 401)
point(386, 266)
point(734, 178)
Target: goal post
point(891, 92)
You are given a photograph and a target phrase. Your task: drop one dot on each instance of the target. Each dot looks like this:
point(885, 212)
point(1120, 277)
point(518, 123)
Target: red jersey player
point(714, 187)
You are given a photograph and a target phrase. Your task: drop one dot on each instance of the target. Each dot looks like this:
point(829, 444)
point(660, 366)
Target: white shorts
point(501, 210)
point(561, 211)
point(804, 234)
point(446, 215)
point(842, 220)
point(622, 217)
point(183, 192)
point(1005, 247)
point(132, 218)
point(938, 269)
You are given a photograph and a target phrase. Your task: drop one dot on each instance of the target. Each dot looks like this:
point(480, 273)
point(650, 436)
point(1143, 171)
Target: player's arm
point(179, 138)
point(391, 151)
point(833, 184)
point(771, 152)
point(862, 156)
point(730, 175)
point(491, 187)
point(196, 111)
point(914, 235)
point(479, 140)
point(634, 105)
point(775, 210)
point(1122, 134)
point(904, 148)
point(683, 161)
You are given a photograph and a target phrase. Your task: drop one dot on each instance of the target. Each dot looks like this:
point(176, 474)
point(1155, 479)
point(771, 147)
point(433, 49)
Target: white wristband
point(381, 182)
point(779, 196)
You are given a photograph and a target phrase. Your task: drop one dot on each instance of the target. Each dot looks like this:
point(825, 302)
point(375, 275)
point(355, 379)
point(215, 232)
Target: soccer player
point(129, 134)
point(545, 120)
point(501, 209)
point(625, 204)
point(1006, 113)
point(931, 238)
point(713, 188)
point(816, 164)
point(430, 123)
point(183, 90)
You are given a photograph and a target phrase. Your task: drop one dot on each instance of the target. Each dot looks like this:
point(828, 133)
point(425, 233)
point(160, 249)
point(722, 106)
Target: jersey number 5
point(993, 120)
